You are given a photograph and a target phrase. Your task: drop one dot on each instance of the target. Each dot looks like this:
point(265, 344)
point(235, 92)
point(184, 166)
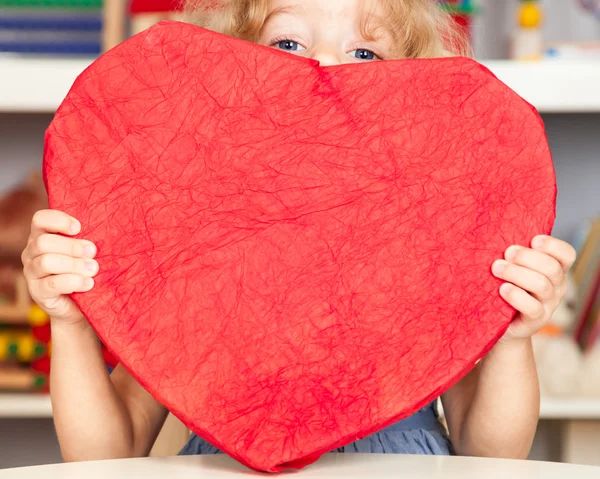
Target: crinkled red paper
point(293, 257)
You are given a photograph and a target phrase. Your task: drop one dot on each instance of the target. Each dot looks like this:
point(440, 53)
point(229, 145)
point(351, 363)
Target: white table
point(330, 466)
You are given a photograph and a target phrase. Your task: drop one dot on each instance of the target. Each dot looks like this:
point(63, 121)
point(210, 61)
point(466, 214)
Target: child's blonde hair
point(424, 29)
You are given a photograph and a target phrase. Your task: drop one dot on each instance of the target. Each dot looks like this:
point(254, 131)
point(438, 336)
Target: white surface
point(553, 86)
point(25, 406)
point(331, 466)
point(39, 85)
point(36, 85)
point(570, 409)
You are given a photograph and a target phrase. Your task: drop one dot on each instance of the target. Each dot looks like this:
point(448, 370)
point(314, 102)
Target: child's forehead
point(360, 8)
point(371, 14)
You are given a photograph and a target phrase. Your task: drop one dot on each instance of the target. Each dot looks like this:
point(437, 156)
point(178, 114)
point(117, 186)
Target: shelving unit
point(39, 85)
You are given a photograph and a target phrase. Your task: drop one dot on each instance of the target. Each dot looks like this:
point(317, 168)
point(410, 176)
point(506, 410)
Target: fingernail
point(91, 266)
point(88, 283)
point(75, 227)
point(538, 242)
point(498, 268)
point(89, 250)
point(505, 289)
point(511, 253)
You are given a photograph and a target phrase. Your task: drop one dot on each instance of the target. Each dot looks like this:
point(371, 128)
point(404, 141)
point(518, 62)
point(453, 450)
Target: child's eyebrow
point(287, 10)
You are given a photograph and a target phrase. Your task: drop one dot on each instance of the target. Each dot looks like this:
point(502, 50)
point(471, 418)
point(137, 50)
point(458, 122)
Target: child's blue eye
point(289, 46)
point(362, 54)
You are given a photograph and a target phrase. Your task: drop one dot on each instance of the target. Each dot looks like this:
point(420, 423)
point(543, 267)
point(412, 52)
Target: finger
point(563, 252)
point(523, 302)
point(49, 264)
point(53, 221)
point(51, 243)
point(56, 285)
point(537, 261)
point(525, 278)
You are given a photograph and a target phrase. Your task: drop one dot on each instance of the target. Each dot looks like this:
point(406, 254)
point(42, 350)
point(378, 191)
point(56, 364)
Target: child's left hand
point(536, 282)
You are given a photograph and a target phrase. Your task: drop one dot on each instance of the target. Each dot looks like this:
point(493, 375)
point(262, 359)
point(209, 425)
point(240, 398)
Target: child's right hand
point(56, 265)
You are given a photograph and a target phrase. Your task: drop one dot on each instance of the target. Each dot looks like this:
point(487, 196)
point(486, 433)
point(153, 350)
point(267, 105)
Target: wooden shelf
point(25, 406)
point(40, 84)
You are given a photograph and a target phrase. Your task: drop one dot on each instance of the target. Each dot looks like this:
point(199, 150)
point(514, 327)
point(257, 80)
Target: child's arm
point(96, 416)
point(494, 410)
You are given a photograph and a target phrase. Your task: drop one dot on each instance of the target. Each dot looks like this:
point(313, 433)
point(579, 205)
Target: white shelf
point(36, 85)
point(25, 406)
point(584, 409)
point(35, 406)
point(553, 86)
point(39, 85)
point(30, 405)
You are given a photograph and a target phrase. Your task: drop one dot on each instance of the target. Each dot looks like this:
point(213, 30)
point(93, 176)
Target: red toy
point(462, 12)
point(293, 257)
point(147, 6)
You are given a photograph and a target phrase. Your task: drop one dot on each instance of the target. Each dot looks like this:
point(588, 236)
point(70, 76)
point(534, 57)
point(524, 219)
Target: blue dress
point(421, 433)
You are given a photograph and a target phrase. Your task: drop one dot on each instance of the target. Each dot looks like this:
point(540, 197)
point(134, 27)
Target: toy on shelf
point(25, 353)
point(13, 290)
point(63, 4)
point(20, 379)
point(527, 43)
point(20, 346)
point(24, 327)
point(564, 368)
point(25, 335)
point(573, 51)
point(567, 351)
point(55, 27)
point(463, 12)
point(557, 355)
point(74, 27)
point(17, 207)
point(587, 321)
point(586, 273)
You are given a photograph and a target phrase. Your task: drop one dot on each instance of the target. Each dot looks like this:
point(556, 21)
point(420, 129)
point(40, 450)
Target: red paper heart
point(294, 257)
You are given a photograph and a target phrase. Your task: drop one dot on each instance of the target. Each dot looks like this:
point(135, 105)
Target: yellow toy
point(528, 40)
point(20, 346)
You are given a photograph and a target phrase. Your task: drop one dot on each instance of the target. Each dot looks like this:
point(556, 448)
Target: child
point(493, 411)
